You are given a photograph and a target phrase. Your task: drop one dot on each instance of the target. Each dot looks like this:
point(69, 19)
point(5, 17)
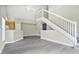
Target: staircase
point(65, 32)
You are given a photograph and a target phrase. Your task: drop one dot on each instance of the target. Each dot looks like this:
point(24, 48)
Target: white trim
point(57, 42)
point(33, 35)
point(14, 41)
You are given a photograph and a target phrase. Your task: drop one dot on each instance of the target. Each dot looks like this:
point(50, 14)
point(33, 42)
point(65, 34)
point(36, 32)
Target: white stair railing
point(66, 26)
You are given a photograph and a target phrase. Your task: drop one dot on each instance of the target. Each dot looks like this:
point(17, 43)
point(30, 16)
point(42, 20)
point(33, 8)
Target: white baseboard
point(14, 41)
point(57, 42)
point(32, 35)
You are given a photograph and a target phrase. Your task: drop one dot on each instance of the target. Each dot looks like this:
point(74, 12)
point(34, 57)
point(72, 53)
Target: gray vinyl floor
point(35, 45)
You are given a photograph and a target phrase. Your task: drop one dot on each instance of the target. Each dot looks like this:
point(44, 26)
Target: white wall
point(2, 13)
point(0, 34)
point(27, 13)
point(29, 29)
point(2, 10)
point(69, 11)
